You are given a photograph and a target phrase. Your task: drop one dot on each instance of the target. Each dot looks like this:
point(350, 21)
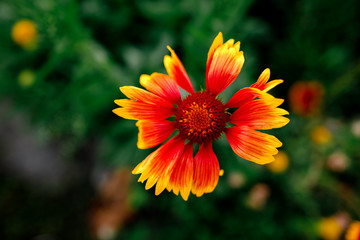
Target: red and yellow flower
point(200, 118)
point(305, 98)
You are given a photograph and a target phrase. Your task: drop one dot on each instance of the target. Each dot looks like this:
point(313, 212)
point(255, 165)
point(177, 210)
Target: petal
point(252, 145)
point(262, 82)
point(161, 85)
point(142, 111)
point(141, 95)
point(261, 113)
point(154, 132)
point(182, 176)
point(159, 165)
point(177, 71)
point(206, 171)
point(246, 95)
point(242, 96)
point(218, 41)
point(224, 65)
point(270, 85)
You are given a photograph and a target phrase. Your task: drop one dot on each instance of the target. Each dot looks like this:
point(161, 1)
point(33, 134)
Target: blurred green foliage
point(87, 49)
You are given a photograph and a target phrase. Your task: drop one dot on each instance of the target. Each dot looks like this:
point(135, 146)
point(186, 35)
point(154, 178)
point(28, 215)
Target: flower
point(200, 118)
point(305, 98)
point(236, 179)
point(111, 209)
point(321, 135)
point(337, 162)
point(329, 228)
point(24, 33)
point(280, 164)
point(258, 196)
point(355, 128)
point(353, 232)
point(26, 78)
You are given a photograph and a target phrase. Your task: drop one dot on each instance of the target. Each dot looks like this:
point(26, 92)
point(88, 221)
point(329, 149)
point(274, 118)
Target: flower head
point(236, 179)
point(337, 162)
point(258, 196)
point(355, 128)
point(111, 209)
point(25, 33)
point(280, 164)
point(26, 78)
point(353, 232)
point(305, 98)
point(329, 228)
point(199, 119)
point(321, 135)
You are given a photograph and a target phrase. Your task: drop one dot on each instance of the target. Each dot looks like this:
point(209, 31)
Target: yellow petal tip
point(170, 49)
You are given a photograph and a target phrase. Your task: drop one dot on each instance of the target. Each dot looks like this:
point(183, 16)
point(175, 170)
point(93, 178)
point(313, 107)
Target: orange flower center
point(201, 118)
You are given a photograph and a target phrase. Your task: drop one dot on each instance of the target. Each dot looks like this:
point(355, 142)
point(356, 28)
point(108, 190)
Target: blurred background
point(65, 158)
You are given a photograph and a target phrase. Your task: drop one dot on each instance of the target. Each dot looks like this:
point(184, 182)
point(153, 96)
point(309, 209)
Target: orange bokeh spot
point(353, 232)
point(25, 33)
point(305, 98)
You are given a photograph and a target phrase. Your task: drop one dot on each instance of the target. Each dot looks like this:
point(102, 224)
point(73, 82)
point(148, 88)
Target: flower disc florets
point(201, 118)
